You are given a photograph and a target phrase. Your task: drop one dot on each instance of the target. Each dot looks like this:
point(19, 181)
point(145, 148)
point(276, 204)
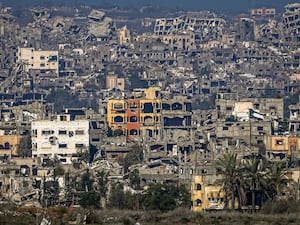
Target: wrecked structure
point(195, 88)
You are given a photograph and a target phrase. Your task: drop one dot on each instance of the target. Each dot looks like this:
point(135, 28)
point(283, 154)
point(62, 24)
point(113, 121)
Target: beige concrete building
point(44, 62)
point(124, 36)
point(113, 81)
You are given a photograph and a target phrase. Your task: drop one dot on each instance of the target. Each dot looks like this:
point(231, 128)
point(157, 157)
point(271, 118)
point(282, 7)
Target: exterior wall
point(271, 106)
point(140, 116)
point(205, 197)
point(38, 60)
point(64, 139)
point(165, 26)
point(250, 131)
point(116, 114)
point(124, 36)
point(263, 12)
point(112, 81)
point(286, 145)
point(133, 114)
point(180, 42)
point(291, 18)
point(13, 140)
point(151, 120)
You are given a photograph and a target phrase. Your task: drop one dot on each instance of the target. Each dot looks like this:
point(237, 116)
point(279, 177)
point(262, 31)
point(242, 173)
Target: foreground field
point(59, 216)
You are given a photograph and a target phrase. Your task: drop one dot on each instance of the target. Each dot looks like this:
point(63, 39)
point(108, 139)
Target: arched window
point(133, 132)
point(133, 119)
point(198, 202)
point(198, 187)
point(118, 119)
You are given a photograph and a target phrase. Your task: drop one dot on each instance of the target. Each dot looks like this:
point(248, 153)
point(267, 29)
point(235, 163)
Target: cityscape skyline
point(214, 5)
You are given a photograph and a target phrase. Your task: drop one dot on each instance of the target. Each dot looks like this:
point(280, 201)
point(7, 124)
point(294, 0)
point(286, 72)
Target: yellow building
point(137, 116)
point(205, 196)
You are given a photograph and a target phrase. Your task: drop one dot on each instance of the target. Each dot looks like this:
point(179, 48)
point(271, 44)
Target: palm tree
point(232, 179)
point(277, 179)
point(254, 171)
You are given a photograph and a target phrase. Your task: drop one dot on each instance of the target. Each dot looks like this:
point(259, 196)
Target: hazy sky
point(214, 5)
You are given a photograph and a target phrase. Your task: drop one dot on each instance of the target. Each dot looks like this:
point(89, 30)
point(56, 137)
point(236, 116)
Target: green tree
point(117, 197)
point(134, 179)
point(58, 171)
point(134, 156)
point(90, 200)
point(254, 172)
point(86, 182)
point(165, 197)
point(102, 179)
point(232, 179)
point(276, 179)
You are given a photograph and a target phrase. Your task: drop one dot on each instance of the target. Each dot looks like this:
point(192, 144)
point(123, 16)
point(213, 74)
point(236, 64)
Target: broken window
point(166, 106)
point(148, 108)
point(176, 106)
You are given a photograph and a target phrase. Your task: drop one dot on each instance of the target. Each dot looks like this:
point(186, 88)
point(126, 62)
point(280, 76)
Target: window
point(198, 187)
point(62, 145)
point(279, 142)
point(62, 132)
point(79, 145)
point(79, 132)
point(42, 65)
point(225, 128)
point(133, 119)
point(47, 132)
point(260, 128)
point(198, 202)
point(42, 57)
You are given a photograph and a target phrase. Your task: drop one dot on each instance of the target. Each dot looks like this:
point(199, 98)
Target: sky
point(212, 5)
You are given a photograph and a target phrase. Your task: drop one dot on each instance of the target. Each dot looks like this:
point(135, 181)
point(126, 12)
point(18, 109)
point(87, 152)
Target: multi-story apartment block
point(62, 138)
point(138, 116)
point(165, 26)
point(291, 18)
point(42, 62)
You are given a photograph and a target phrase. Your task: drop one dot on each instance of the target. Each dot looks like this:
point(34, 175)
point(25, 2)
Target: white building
point(62, 138)
point(41, 61)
